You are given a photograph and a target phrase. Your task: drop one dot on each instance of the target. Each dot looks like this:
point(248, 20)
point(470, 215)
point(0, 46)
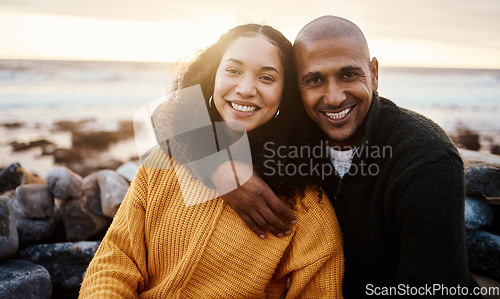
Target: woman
point(158, 247)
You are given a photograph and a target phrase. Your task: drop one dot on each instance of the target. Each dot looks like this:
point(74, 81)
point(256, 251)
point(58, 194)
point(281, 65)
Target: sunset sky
point(424, 33)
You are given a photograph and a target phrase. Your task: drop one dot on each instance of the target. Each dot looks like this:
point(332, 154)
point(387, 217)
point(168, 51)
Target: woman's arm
point(118, 268)
point(314, 261)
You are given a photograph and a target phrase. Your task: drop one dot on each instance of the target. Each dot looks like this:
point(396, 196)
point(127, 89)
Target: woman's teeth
point(243, 108)
point(338, 115)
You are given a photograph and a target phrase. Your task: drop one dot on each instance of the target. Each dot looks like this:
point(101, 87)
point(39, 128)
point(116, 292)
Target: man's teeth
point(338, 115)
point(243, 108)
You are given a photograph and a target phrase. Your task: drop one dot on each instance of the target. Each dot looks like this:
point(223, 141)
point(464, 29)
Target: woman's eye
point(233, 71)
point(266, 78)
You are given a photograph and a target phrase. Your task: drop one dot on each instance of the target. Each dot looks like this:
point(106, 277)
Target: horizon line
point(408, 66)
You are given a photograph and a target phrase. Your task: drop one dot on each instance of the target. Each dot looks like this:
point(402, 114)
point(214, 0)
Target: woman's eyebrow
point(264, 68)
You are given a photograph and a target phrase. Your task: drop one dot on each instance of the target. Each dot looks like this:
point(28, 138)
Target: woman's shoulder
point(157, 159)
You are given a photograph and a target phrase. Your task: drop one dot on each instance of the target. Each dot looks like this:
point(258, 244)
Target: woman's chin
point(238, 127)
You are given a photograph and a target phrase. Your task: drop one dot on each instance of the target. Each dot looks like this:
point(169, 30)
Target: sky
point(424, 33)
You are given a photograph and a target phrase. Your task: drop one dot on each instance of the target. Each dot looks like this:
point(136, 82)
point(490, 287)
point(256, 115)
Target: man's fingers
point(272, 220)
point(278, 207)
point(253, 226)
point(262, 222)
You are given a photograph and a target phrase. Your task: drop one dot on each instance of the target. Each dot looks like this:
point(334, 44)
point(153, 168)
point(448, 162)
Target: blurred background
point(73, 73)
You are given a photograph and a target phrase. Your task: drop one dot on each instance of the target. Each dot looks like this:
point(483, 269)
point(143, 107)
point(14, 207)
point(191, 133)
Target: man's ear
point(374, 73)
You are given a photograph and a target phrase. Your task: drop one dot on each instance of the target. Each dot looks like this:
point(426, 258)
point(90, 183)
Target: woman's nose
point(246, 87)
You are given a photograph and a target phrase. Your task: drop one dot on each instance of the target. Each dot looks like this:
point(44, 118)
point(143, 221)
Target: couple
point(400, 225)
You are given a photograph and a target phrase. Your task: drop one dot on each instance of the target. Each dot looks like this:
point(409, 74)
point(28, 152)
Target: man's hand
point(255, 203)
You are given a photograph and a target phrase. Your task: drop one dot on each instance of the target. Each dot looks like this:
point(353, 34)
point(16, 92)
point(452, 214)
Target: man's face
point(337, 81)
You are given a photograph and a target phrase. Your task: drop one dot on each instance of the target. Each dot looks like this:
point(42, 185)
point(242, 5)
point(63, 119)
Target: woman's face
point(249, 82)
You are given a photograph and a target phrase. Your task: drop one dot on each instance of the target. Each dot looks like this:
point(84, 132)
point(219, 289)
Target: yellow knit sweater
point(157, 247)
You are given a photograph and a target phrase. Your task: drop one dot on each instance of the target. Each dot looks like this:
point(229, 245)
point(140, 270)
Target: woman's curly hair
point(290, 130)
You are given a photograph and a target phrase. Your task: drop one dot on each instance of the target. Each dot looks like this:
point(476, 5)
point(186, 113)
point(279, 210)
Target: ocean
point(38, 93)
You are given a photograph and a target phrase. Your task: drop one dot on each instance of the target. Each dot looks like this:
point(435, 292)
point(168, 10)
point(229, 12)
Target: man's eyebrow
point(311, 75)
point(350, 68)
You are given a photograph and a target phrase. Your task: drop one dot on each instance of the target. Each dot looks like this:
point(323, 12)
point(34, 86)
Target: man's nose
point(246, 87)
point(334, 94)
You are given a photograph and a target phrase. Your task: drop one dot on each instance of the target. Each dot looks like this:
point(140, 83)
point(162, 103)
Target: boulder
point(30, 178)
point(466, 138)
point(479, 159)
point(22, 279)
point(128, 170)
point(64, 183)
point(113, 189)
point(31, 231)
point(66, 262)
point(478, 213)
point(83, 217)
point(9, 241)
point(36, 200)
point(10, 178)
point(483, 250)
point(483, 181)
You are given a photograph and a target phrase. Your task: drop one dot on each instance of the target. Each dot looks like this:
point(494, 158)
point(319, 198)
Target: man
point(398, 191)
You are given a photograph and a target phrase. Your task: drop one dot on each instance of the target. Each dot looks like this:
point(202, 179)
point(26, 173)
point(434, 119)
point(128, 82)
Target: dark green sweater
point(401, 206)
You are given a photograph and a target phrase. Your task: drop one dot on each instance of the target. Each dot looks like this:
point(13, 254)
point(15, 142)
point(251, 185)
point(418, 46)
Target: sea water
point(38, 93)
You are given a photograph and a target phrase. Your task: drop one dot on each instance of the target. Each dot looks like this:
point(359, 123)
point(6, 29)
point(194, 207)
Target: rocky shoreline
point(51, 226)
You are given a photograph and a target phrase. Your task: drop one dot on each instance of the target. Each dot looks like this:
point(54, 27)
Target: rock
point(466, 138)
point(65, 262)
point(15, 206)
point(22, 146)
point(68, 125)
point(113, 189)
point(10, 178)
point(99, 140)
point(93, 165)
point(9, 241)
point(30, 178)
point(487, 282)
point(83, 217)
point(65, 156)
point(22, 279)
point(48, 149)
point(478, 213)
point(64, 183)
point(495, 149)
point(483, 250)
point(30, 231)
point(36, 200)
point(478, 159)
point(128, 170)
point(483, 181)
point(13, 125)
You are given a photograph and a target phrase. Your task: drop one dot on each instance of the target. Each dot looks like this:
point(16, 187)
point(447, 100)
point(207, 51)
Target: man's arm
point(255, 203)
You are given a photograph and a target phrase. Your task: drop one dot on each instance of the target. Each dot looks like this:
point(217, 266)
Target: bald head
point(332, 27)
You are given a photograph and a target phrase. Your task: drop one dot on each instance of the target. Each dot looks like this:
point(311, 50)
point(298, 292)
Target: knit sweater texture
point(157, 247)
point(401, 205)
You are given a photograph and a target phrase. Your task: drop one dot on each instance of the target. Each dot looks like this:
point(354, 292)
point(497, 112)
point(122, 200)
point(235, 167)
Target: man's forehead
point(342, 51)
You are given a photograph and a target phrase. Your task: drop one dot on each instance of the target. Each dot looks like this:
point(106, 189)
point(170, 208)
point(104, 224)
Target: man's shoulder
point(410, 126)
point(410, 133)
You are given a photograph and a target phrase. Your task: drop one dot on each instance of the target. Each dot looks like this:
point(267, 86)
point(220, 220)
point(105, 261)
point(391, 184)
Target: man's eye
point(349, 75)
point(314, 81)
